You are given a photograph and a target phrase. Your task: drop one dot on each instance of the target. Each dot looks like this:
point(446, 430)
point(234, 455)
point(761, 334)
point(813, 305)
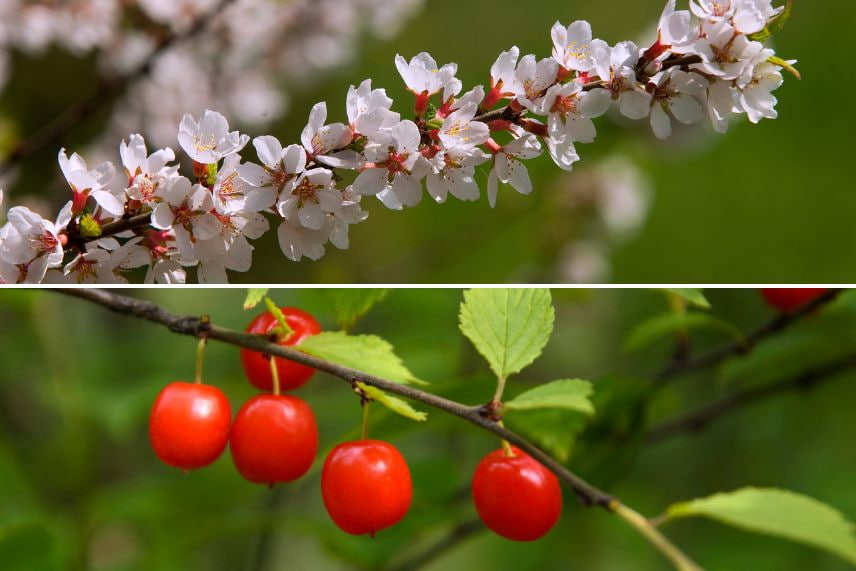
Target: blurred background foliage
point(82, 488)
point(763, 204)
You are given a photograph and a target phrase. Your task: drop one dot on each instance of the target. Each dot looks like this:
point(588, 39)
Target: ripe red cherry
point(791, 299)
point(291, 375)
point(366, 486)
point(274, 439)
point(189, 425)
point(515, 496)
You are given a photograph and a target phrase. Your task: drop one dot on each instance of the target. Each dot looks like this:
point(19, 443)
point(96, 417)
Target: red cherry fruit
point(274, 439)
point(515, 496)
point(189, 425)
point(791, 299)
point(291, 375)
point(366, 486)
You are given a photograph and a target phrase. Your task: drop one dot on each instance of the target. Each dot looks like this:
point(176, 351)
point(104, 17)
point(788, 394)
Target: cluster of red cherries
point(365, 484)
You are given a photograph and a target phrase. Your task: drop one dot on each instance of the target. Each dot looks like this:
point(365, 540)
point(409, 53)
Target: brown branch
point(122, 225)
point(189, 325)
point(107, 90)
point(716, 356)
point(704, 416)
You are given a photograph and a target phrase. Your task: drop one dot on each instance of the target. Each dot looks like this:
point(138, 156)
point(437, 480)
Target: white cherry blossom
point(616, 66)
point(232, 194)
point(280, 166)
point(209, 140)
point(573, 47)
point(756, 98)
point(423, 76)
point(533, 78)
point(148, 175)
point(395, 168)
point(326, 143)
point(508, 167)
point(459, 129)
point(89, 183)
point(187, 210)
point(312, 197)
point(675, 95)
point(453, 172)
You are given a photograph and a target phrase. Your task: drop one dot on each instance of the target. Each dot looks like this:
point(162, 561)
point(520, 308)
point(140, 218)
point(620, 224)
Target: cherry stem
point(506, 445)
point(200, 353)
point(274, 373)
point(365, 432)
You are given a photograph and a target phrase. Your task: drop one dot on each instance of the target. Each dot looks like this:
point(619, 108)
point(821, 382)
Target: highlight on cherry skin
point(257, 366)
point(366, 486)
point(788, 300)
point(274, 439)
point(516, 496)
point(189, 425)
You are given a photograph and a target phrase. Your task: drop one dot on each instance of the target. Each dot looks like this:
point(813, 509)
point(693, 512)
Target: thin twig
point(455, 537)
point(704, 416)
point(716, 356)
point(188, 325)
point(106, 90)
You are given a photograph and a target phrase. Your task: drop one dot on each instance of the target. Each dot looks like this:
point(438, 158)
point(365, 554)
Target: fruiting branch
point(701, 418)
point(188, 325)
point(716, 356)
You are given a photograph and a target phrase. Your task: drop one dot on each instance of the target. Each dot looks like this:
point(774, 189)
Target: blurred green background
point(763, 204)
point(82, 489)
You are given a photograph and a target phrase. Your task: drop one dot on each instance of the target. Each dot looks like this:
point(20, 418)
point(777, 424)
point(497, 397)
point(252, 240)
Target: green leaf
point(775, 25)
point(254, 297)
point(283, 329)
point(366, 353)
point(554, 430)
point(394, 404)
point(565, 394)
point(669, 324)
point(509, 327)
point(351, 304)
point(691, 296)
point(786, 65)
point(779, 513)
point(88, 226)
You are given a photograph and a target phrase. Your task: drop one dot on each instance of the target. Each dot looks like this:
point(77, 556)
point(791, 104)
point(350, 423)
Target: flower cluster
point(241, 64)
point(705, 62)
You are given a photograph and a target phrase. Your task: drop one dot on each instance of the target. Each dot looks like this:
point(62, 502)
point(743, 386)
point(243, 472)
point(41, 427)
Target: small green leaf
point(554, 430)
point(366, 353)
point(283, 329)
point(663, 326)
point(509, 327)
point(786, 65)
point(691, 296)
point(565, 394)
point(255, 295)
point(88, 226)
point(211, 174)
point(779, 513)
point(775, 25)
point(394, 404)
point(351, 304)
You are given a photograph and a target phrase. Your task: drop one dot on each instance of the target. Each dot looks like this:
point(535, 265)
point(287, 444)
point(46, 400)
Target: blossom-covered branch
point(706, 62)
